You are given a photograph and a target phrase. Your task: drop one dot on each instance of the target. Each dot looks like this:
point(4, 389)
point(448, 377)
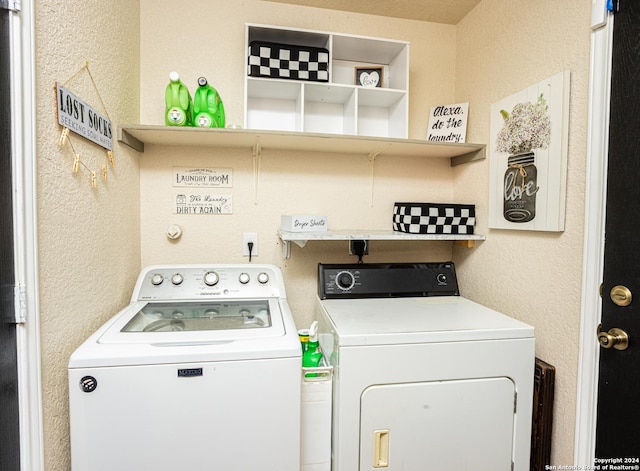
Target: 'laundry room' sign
point(203, 177)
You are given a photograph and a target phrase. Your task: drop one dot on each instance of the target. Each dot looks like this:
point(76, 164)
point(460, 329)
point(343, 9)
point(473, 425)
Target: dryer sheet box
point(303, 223)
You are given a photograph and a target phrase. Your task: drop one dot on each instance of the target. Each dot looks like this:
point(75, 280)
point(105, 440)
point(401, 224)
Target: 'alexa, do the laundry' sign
point(448, 123)
point(83, 119)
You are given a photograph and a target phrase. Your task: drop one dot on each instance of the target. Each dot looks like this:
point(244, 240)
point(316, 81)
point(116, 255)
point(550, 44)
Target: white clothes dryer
point(424, 379)
point(200, 371)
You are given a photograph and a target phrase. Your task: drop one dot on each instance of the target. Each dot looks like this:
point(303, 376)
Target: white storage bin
point(315, 439)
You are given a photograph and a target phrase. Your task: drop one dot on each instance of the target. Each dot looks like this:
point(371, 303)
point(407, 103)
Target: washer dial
point(211, 278)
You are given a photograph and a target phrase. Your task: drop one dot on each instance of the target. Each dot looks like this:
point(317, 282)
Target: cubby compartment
point(274, 105)
point(295, 37)
point(349, 52)
point(329, 109)
point(382, 113)
point(340, 105)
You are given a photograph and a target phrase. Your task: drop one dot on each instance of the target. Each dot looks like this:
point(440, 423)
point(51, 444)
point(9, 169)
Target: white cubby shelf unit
point(338, 106)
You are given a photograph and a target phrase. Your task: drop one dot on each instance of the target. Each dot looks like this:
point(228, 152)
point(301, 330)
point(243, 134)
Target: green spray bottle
point(207, 106)
point(312, 355)
point(178, 104)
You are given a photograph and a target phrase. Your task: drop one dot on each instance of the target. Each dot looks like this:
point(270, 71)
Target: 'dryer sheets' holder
point(284, 61)
point(432, 218)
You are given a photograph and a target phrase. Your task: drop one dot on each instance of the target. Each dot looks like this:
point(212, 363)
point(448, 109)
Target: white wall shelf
point(137, 136)
point(301, 238)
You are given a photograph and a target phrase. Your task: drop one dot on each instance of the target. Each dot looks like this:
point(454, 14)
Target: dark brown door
point(618, 417)
point(9, 425)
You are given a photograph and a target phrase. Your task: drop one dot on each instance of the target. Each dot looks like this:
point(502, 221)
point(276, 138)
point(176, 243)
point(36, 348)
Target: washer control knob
point(177, 279)
point(157, 279)
point(345, 280)
point(211, 278)
point(244, 278)
point(263, 278)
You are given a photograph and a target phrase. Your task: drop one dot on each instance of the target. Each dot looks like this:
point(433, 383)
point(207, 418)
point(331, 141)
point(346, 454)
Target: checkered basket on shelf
point(431, 218)
point(284, 61)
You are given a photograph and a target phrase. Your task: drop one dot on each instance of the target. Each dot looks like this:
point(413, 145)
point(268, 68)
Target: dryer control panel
point(379, 280)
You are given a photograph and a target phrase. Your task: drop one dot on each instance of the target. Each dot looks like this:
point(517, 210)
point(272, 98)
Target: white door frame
point(595, 212)
point(23, 112)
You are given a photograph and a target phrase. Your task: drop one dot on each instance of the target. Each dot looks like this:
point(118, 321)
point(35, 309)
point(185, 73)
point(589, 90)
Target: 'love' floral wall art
point(528, 157)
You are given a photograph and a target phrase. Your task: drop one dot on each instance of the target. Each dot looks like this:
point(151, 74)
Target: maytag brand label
point(189, 372)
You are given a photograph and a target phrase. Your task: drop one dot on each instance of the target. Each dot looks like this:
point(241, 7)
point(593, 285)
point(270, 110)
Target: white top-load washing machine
point(424, 379)
point(200, 371)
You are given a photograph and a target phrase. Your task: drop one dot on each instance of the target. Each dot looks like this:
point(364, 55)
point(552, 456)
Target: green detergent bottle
point(207, 106)
point(178, 104)
point(312, 355)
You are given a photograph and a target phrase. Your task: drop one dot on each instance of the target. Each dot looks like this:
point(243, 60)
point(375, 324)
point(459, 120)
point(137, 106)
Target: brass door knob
point(620, 295)
point(615, 338)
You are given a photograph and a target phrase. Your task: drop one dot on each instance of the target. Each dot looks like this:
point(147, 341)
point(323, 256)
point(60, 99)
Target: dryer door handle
point(381, 448)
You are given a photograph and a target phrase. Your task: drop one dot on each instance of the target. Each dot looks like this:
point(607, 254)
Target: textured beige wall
point(503, 47)
point(289, 182)
point(213, 45)
point(89, 238)
point(92, 242)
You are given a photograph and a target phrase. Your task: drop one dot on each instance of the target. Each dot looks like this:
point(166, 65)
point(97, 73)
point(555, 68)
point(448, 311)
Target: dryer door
point(443, 425)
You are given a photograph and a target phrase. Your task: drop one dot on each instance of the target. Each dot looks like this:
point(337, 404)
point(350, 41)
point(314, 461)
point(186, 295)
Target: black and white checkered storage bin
point(430, 218)
point(284, 61)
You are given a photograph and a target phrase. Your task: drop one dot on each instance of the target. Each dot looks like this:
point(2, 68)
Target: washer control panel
point(377, 280)
point(183, 282)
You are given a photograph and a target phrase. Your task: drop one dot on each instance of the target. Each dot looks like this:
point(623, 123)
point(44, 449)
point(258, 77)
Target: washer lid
point(391, 321)
point(189, 322)
point(123, 340)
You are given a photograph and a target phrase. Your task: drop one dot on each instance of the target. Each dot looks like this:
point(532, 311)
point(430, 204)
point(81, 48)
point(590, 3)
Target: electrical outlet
point(246, 238)
point(355, 245)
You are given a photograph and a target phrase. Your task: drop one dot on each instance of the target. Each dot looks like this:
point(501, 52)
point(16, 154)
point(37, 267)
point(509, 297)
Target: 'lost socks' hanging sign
point(80, 117)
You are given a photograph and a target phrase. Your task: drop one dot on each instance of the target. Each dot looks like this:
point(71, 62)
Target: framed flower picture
point(528, 157)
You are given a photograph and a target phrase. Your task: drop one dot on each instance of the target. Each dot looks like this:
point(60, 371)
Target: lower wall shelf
point(301, 238)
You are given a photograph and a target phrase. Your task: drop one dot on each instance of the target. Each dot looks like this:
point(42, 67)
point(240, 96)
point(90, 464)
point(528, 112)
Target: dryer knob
point(263, 278)
point(345, 280)
point(211, 278)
